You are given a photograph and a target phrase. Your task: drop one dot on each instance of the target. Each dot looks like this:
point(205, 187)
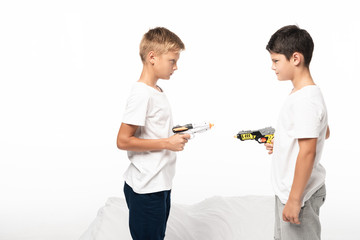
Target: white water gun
point(192, 128)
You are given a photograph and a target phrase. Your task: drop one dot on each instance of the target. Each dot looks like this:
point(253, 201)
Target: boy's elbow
point(310, 153)
point(121, 144)
point(310, 156)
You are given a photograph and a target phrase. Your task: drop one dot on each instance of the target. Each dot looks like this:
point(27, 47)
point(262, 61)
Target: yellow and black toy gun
point(264, 135)
point(192, 128)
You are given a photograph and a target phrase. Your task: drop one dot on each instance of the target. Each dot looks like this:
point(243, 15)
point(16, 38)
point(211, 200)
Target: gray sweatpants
point(309, 228)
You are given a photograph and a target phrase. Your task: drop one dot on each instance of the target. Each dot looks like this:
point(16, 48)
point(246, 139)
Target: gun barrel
point(192, 127)
point(261, 136)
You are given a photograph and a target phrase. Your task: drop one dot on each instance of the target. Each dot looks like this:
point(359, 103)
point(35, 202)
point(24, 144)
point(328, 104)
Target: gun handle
point(270, 138)
point(192, 135)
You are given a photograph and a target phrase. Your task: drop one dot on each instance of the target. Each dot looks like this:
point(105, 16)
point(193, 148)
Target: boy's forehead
point(276, 55)
point(173, 54)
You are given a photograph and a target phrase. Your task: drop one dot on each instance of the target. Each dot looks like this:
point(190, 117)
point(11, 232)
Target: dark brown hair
point(290, 39)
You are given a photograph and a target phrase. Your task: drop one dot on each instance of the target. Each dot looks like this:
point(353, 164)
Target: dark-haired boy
point(298, 178)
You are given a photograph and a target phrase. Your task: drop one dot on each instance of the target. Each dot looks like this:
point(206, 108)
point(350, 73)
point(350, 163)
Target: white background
point(66, 69)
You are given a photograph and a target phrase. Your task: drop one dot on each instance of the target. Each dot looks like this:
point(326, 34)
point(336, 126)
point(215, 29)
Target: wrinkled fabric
point(216, 218)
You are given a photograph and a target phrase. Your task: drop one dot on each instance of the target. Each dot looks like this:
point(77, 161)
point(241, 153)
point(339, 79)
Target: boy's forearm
point(303, 169)
point(127, 141)
point(142, 145)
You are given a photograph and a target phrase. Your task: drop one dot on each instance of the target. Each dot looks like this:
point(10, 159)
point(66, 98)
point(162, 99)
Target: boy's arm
point(270, 146)
point(127, 141)
point(303, 169)
point(327, 132)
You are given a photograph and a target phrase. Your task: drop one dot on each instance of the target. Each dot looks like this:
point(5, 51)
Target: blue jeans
point(309, 228)
point(148, 213)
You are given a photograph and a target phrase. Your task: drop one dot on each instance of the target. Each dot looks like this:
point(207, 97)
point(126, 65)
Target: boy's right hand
point(177, 142)
point(270, 147)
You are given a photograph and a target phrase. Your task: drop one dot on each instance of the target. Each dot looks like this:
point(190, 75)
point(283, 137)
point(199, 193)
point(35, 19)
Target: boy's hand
point(270, 146)
point(177, 142)
point(291, 211)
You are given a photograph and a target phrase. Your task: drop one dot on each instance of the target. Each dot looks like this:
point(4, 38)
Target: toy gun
point(264, 135)
point(192, 128)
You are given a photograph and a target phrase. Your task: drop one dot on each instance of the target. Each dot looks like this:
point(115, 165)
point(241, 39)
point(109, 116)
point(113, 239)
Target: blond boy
point(146, 133)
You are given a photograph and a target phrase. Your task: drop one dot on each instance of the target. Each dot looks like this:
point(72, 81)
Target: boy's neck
point(302, 78)
point(148, 77)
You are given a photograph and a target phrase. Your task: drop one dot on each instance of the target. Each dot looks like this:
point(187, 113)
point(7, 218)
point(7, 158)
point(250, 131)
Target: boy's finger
point(186, 136)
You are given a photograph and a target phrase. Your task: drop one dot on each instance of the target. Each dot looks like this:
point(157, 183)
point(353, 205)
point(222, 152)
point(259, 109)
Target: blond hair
point(160, 40)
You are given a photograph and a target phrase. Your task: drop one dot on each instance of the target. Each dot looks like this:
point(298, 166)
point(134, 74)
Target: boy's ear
point(151, 57)
point(297, 58)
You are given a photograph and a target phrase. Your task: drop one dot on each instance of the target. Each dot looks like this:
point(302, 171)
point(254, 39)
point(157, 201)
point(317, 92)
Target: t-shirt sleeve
point(307, 119)
point(136, 107)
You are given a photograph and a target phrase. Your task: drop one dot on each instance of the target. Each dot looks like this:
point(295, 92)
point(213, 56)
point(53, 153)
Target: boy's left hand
point(291, 211)
point(270, 146)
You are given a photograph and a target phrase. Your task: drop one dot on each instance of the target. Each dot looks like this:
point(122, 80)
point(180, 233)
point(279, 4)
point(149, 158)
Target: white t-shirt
point(303, 115)
point(150, 171)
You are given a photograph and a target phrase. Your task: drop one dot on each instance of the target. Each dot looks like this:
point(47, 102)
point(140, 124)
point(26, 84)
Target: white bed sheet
point(216, 218)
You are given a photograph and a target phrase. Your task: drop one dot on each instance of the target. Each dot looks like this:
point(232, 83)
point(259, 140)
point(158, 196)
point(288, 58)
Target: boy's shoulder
point(308, 98)
point(139, 85)
point(307, 91)
point(140, 88)
point(141, 92)
point(138, 93)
